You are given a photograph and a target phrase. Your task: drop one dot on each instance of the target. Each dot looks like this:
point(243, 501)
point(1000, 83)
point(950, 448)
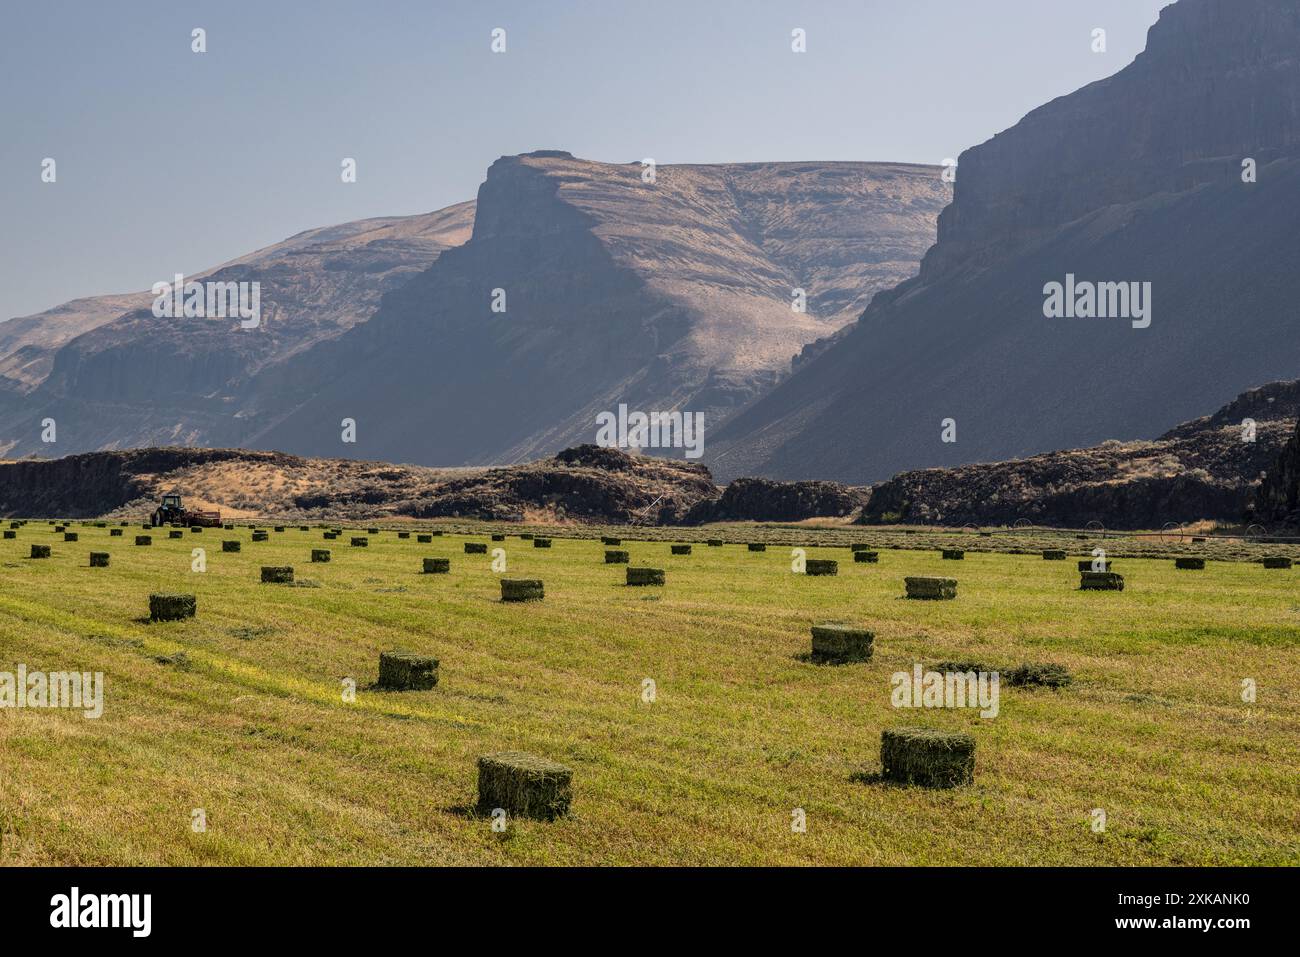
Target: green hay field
point(240, 712)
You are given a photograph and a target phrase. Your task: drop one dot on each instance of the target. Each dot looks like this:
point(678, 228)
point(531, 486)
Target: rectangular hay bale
point(165, 606)
point(841, 644)
point(407, 671)
point(521, 589)
point(926, 757)
point(645, 576)
point(931, 589)
point(524, 785)
point(1101, 581)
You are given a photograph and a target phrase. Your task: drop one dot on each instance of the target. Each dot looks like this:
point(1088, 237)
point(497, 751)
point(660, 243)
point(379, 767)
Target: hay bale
point(230, 546)
point(931, 589)
point(407, 671)
point(437, 566)
point(681, 549)
point(40, 551)
point(526, 536)
point(144, 539)
point(953, 554)
point(1277, 561)
point(320, 554)
point(304, 528)
point(1053, 554)
point(175, 533)
point(524, 785)
point(521, 589)
point(436, 534)
point(541, 543)
point(260, 536)
point(645, 576)
point(195, 529)
point(424, 539)
point(1044, 675)
point(616, 557)
point(171, 607)
point(869, 557)
point(1086, 565)
point(756, 547)
point(99, 559)
point(403, 534)
point(498, 537)
point(115, 533)
point(928, 758)
point(69, 536)
point(475, 548)
point(1190, 564)
point(360, 541)
point(277, 574)
point(606, 540)
point(10, 533)
point(59, 529)
point(279, 528)
point(821, 566)
point(715, 543)
point(1101, 581)
point(330, 536)
point(860, 547)
point(841, 644)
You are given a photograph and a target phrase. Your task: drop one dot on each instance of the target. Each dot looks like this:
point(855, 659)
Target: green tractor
point(172, 512)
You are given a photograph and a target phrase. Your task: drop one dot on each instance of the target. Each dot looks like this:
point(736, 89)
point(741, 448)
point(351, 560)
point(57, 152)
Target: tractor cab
point(171, 500)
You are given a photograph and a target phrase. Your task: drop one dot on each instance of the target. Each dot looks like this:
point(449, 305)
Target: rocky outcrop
point(1278, 497)
point(1209, 468)
point(95, 483)
point(585, 483)
point(762, 500)
point(1137, 178)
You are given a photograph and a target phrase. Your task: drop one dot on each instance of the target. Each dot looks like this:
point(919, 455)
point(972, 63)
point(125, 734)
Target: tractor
point(172, 512)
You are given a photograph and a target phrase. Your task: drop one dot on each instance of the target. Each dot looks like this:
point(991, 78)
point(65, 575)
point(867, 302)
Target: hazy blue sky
point(173, 161)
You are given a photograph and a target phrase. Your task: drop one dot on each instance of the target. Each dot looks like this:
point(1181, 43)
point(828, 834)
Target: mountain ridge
point(1136, 177)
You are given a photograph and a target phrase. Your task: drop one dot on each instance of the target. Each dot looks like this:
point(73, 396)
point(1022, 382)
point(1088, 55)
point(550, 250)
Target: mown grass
point(240, 711)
